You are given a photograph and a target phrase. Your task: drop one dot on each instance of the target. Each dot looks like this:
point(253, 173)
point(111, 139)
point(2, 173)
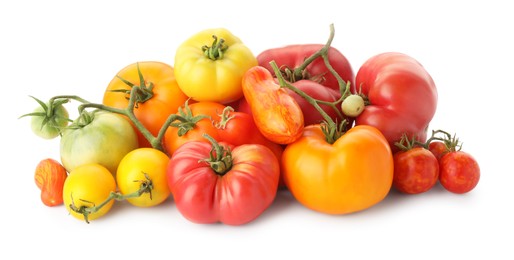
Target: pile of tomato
point(222, 130)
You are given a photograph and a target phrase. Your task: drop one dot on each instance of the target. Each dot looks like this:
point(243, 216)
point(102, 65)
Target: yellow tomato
point(144, 166)
point(88, 186)
point(352, 174)
point(209, 66)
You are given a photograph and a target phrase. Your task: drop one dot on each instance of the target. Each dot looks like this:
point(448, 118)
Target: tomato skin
point(401, 93)
point(276, 114)
point(50, 176)
point(327, 89)
point(105, 140)
point(89, 185)
point(235, 198)
point(438, 149)
point(352, 174)
point(459, 172)
point(241, 129)
point(204, 79)
point(167, 96)
point(131, 173)
point(415, 170)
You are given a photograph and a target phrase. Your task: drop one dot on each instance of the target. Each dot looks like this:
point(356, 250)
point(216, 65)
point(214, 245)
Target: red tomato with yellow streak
point(459, 172)
point(50, 176)
point(276, 114)
point(415, 170)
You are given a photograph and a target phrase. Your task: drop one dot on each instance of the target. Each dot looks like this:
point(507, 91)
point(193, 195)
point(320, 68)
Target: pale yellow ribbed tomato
point(209, 66)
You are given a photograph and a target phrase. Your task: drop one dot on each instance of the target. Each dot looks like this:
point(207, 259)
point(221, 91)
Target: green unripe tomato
point(353, 105)
point(103, 138)
point(49, 127)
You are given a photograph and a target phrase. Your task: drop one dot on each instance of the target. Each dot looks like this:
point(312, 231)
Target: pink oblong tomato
point(402, 96)
point(232, 186)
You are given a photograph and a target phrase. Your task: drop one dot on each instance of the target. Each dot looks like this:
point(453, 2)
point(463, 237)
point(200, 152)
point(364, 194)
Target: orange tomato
point(352, 174)
point(194, 127)
point(161, 95)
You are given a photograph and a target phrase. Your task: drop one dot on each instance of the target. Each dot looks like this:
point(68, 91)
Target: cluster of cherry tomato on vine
point(223, 130)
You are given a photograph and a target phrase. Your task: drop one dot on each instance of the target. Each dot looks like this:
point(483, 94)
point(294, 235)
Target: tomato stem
point(225, 117)
point(156, 142)
point(145, 187)
point(452, 143)
point(144, 91)
point(187, 121)
point(331, 129)
point(407, 143)
point(216, 50)
point(220, 157)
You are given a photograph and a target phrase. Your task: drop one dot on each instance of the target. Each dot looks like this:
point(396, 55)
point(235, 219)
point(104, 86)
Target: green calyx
point(220, 157)
point(216, 50)
point(144, 89)
point(186, 120)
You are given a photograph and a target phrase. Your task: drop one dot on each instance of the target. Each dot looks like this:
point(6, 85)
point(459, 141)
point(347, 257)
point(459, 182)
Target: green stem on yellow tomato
point(216, 50)
point(145, 187)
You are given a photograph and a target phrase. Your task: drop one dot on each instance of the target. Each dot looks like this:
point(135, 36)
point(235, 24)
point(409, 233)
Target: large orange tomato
point(160, 95)
point(352, 174)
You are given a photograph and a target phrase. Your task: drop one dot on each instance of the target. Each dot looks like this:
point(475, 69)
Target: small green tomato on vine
point(353, 105)
point(48, 119)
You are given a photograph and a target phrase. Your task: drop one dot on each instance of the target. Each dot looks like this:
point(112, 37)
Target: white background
point(52, 47)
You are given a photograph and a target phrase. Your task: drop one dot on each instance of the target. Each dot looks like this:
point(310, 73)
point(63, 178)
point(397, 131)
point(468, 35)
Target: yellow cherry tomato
point(147, 167)
point(209, 66)
point(88, 186)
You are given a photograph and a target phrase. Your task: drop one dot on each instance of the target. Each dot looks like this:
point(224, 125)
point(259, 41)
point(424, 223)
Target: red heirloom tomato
point(221, 183)
point(415, 170)
point(351, 174)
point(277, 115)
point(459, 172)
point(402, 96)
point(314, 79)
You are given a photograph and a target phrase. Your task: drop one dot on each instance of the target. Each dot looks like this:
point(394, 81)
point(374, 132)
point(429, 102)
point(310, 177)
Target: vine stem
point(155, 141)
point(333, 130)
point(146, 187)
point(312, 101)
